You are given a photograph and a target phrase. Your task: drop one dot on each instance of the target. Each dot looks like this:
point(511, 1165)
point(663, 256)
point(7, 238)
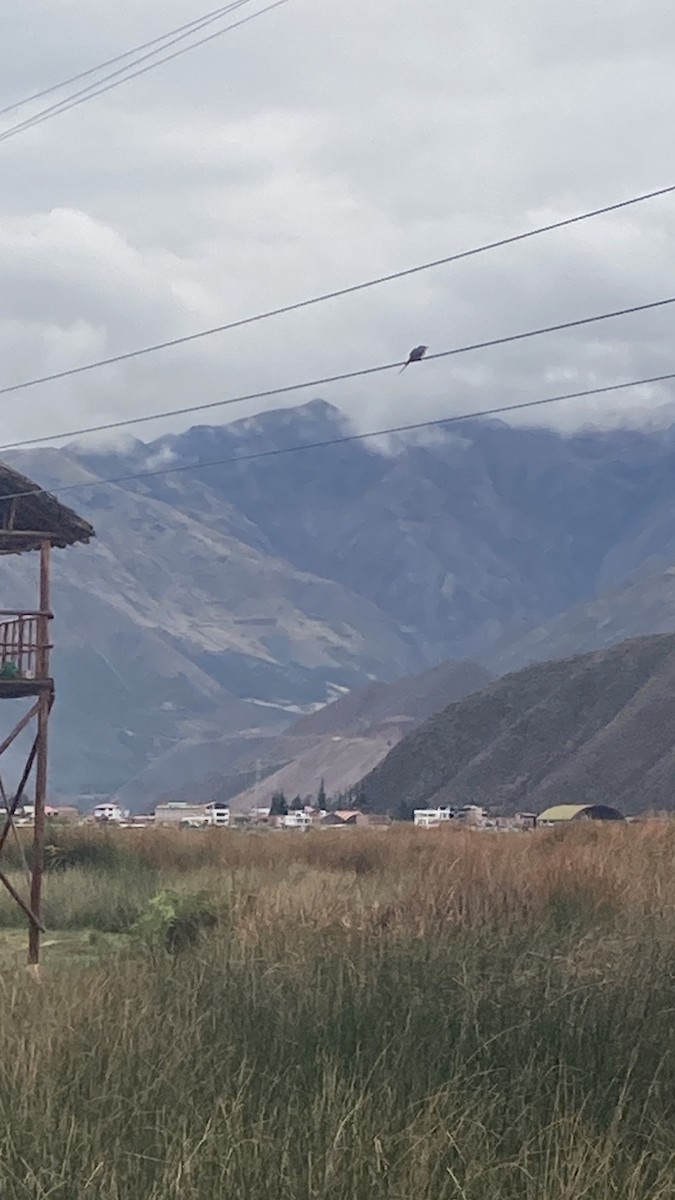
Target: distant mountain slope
point(338, 743)
point(344, 740)
point(594, 728)
point(403, 701)
point(170, 627)
point(238, 595)
point(457, 537)
point(645, 605)
point(340, 761)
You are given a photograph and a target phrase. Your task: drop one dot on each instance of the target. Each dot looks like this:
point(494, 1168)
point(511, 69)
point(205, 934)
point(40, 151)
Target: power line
point(339, 292)
point(88, 93)
point(126, 422)
point(96, 88)
point(276, 452)
point(193, 26)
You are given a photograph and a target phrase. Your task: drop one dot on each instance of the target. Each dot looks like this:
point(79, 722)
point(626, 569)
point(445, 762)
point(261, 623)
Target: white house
point(109, 814)
point(217, 814)
point(179, 812)
point(431, 818)
point(296, 819)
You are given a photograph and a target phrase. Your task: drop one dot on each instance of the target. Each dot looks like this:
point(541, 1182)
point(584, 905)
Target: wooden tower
point(30, 520)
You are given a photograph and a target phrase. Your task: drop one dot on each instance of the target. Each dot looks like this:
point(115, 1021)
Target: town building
point(180, 812)
point(108, 813)
point(431, 818)
point(296, 819)
point(579, 812)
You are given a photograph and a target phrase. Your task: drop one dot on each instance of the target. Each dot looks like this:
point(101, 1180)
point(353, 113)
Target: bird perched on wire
point(415, 355)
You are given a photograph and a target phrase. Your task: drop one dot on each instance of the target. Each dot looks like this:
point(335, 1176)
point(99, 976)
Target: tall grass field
point(358, 1015)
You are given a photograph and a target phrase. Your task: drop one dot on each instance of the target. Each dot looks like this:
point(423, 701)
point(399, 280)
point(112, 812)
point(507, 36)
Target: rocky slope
point(596, 728)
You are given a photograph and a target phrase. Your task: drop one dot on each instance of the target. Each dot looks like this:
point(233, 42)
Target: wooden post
point(42, 672)
point(19, 645)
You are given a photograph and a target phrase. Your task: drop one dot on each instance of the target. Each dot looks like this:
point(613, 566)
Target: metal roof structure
point(575, 812)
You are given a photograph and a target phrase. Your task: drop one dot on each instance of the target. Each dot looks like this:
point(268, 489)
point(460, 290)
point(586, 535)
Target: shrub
point(174, 921)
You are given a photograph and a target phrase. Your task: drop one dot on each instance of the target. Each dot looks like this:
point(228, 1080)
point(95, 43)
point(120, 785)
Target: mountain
point(173, 627)
point(386, 705)
point(596, 728)
point(341, 742)
point(646, 603)
point(221, 603)
point(459, 538)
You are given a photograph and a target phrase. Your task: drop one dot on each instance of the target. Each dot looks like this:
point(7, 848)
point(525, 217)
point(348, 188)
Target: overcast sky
point(324, 143)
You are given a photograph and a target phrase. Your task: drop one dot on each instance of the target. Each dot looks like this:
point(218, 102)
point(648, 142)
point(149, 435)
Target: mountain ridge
point(594, 728)
point(279, 582)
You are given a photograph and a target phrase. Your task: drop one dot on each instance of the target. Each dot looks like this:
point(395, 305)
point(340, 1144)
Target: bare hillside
point(408, 700)
point(340, 742)
point(595, 728)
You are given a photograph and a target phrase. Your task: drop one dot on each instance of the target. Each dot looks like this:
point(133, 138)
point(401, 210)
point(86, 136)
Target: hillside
point(593, 728)
point(402, 702)
point(645, 604)
point(225, 602)
point(338, 743)
point(346, 739)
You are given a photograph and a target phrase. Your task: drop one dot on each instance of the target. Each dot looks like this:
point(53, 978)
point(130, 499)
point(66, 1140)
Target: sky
point(322, 144)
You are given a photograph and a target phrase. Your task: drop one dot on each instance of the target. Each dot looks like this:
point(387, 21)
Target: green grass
point(409, 1017)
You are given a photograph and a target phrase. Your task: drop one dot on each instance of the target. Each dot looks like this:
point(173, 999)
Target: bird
point(415, 355)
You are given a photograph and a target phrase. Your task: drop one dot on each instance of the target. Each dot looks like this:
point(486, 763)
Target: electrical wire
point(338, 293)
point(126, 422)
point(325, 443)
point(55, 110)
point(192, 26)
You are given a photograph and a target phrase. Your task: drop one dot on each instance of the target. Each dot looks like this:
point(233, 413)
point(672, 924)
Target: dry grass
point(397, 1014)
point(412, 882)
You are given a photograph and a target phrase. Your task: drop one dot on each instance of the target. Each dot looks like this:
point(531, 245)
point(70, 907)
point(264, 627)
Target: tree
point(321, 799)
point(353, 797)
point(296, 804)
point(278, 806)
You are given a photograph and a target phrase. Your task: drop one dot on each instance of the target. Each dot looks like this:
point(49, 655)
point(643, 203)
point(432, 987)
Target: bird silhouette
point(415, 355)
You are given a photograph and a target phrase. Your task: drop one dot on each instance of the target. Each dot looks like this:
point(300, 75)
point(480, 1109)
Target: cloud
point(317, 147)
point(161, 458)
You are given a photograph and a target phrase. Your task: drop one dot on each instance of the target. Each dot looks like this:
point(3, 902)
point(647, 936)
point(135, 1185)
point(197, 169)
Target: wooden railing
point(24, 642)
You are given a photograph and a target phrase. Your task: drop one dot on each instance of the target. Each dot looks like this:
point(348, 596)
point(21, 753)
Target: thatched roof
point(29, 515)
